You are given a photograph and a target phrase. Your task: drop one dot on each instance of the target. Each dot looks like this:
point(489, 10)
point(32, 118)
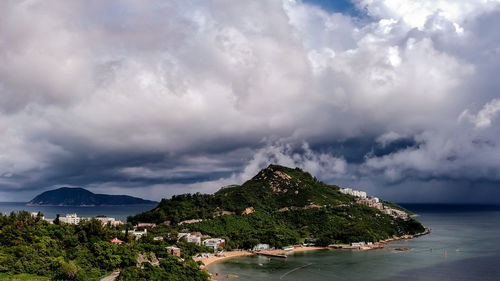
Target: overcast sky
point(152, 98)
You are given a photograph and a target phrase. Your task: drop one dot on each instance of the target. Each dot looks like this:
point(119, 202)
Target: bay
point(463, 245)
point(117, 212)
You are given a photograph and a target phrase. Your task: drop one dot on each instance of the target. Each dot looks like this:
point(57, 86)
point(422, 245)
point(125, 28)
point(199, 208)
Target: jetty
point(272, 254)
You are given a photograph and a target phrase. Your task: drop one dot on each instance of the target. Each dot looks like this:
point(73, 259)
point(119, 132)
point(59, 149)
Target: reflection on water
point(463, 245)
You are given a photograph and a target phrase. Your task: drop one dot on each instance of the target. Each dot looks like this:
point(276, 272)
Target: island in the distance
point(76, 196)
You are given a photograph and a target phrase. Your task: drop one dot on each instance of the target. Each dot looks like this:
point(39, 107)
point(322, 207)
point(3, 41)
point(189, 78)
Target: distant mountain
point(69, 196)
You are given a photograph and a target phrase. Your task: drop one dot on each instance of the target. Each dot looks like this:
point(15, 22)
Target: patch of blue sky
point(337, 6)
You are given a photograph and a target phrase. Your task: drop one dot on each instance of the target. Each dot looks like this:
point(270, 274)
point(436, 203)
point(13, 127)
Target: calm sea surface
point(464, 245)
point(117, 212)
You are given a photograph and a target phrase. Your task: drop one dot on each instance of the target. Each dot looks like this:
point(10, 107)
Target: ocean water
point(464, 245)
point(117, 212)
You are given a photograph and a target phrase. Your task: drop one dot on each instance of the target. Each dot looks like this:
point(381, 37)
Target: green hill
point(279, 206)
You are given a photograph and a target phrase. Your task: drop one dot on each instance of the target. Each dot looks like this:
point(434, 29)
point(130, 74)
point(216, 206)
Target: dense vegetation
point(80, 252)
point(284, 207)
point(75, 196)
point(271, 189)
point(169, 269)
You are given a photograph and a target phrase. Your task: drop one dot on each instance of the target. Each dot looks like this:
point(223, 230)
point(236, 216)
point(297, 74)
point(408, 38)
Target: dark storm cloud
point(154, 98)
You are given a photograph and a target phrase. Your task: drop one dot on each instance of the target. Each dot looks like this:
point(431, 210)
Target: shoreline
point(226, 255)
point(241, 253)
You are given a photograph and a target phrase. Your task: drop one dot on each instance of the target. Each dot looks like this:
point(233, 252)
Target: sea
point(117, 212)
point(464, 245)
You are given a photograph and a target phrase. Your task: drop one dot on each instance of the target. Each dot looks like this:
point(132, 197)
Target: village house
point(396, 213)
point(190, 238)
point(35, 214)
point(174, 251)
point(116, 241)
point(309, 242)
point(260, 247)
point(214, 243)
point(373, 202)
point(137, 233)
point(71, 219)
point(111, 221)
point(350, 191)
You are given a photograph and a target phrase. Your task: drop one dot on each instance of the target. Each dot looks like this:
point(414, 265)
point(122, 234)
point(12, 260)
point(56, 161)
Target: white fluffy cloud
point(416, 13)
point(485, 116)
point(156, 93)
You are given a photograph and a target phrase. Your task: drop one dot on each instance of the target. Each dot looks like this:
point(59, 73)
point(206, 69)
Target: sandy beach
point(294, 250)
point(226, 255)
point(240, 253)
point(305, 249)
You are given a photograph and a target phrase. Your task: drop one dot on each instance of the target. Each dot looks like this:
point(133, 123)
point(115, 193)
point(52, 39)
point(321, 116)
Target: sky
point(399, 98)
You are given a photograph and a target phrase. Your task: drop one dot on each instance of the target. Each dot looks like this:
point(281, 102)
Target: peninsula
point(279, 207)
point(75, 196)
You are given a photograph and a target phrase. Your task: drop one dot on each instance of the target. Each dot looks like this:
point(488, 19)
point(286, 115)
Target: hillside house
point(137, 233)
point(356, 193)
point(111, 221)
point(71, 219)
point(116, 241)
point(214, 243)
point(190, 238)
point(174, 251)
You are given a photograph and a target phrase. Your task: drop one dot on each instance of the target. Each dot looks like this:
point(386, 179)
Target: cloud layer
point(152, 98)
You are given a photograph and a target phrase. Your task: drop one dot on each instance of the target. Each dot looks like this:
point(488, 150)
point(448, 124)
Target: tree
point(68, 270)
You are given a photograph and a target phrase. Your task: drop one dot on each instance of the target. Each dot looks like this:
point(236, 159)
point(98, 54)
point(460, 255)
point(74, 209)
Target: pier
point(273, 255)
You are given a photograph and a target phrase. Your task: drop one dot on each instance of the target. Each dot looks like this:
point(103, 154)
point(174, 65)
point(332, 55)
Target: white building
point(396, 213)
point(259, 247)
point(190, 238)
point(350, 191)
point(71, 219)
point(214, 243)
point(137, 234)
point(35, 214)
point(111, 221)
